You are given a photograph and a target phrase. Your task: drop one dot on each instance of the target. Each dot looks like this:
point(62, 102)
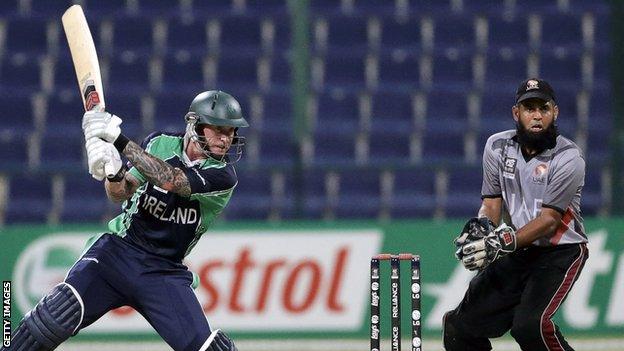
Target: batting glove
point(498, 243)
point(220, 342)
point(103, 159)
point(101, 125)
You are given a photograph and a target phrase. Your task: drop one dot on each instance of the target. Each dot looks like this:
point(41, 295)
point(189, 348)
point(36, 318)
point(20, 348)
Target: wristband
point(121, 142)
point(119, 176)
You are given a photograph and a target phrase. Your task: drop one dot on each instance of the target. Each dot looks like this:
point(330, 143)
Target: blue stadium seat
point(21, 118)
point(185, 74)
point(214, 8)
point(9, 8)
point(392, 112)
point(241, 36)
point(127, 75)
point(452, 72)
point(325, 7)
point(109, 8)
point(443, 147)
point(282, 34)
point(601, 106)
point(414, 193)
point(567, 120)
point(30, 199)
point(84, 200)
point(398, 73)
point(337, 114)
point(252, 197)
point(188, 35)
point(347, 35)
point(65, 75)
point(334, 149)
point(133, 34)
point(64, 114)
point(280, 73)
point(50, 8)
point(464, 192)
point(448, 106)
point(169, 111)
point(446, 111)
point(505, 72)
point(237, 75)
point(496, 113)
point(277, 149)
point(434, 7)
point(62, 152)
point(359, 194)
point(277, 113)
point(387, 147)
point(591, 196)
point(159, 8)
point(508, 31)
point(562, 31)
point(403, 35)
point(561, 70)
point(266, 7)
point(454, 31)
point(488, 8)
point(377, 7)
point(598, 150)
point(346, 73)
point(26, 35)
point(315, 193)
point(20, 75)
point(13, 151)
point(128, 107)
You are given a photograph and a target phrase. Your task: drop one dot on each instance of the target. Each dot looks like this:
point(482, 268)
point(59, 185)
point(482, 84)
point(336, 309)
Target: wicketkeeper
point(526, 266)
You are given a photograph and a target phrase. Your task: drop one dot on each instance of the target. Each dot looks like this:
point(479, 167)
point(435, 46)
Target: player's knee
point(526, 330)
point(53, 320)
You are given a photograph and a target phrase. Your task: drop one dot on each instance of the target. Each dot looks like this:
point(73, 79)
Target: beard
point(539, 141)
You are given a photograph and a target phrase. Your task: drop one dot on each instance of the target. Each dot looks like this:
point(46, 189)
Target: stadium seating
point(402, 96)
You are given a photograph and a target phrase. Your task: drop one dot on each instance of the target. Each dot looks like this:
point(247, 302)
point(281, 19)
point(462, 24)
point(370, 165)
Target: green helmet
point(218, 108)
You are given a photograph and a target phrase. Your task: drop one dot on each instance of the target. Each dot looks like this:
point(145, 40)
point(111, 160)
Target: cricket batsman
point(177, 184)
point(528, 266)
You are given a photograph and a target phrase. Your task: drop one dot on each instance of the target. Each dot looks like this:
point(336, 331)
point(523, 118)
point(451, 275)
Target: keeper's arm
point(491, 207)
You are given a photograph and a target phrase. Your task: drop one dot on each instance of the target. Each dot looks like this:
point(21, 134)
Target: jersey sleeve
point(145, 145)
point(491, 183)
point(210, 180)
point(567, 177)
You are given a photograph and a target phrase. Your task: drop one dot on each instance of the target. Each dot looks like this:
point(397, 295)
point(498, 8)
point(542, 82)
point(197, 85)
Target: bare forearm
point(491, 208)
point(157, 171)
point(118, 191)
point(541, 226)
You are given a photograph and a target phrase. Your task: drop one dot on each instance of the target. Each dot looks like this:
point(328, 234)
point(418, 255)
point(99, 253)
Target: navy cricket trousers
point(518, 293)
point(113, 273)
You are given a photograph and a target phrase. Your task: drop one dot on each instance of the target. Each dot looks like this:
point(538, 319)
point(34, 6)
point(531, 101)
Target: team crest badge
point(532, 84)
point(539, 173)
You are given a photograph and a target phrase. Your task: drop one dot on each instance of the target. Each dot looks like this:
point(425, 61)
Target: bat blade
point(84, 57)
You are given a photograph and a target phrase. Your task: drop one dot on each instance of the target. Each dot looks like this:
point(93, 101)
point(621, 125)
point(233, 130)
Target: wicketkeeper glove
point(479, 254)
point(475, 229)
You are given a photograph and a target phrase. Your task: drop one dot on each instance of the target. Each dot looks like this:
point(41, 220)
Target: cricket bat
point(84, 57)
point(85, 61)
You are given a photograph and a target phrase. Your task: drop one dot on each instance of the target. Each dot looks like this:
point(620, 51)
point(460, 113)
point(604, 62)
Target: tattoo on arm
point(157, 171)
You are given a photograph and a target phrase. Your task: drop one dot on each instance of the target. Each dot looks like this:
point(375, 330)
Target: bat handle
point(109, 169)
